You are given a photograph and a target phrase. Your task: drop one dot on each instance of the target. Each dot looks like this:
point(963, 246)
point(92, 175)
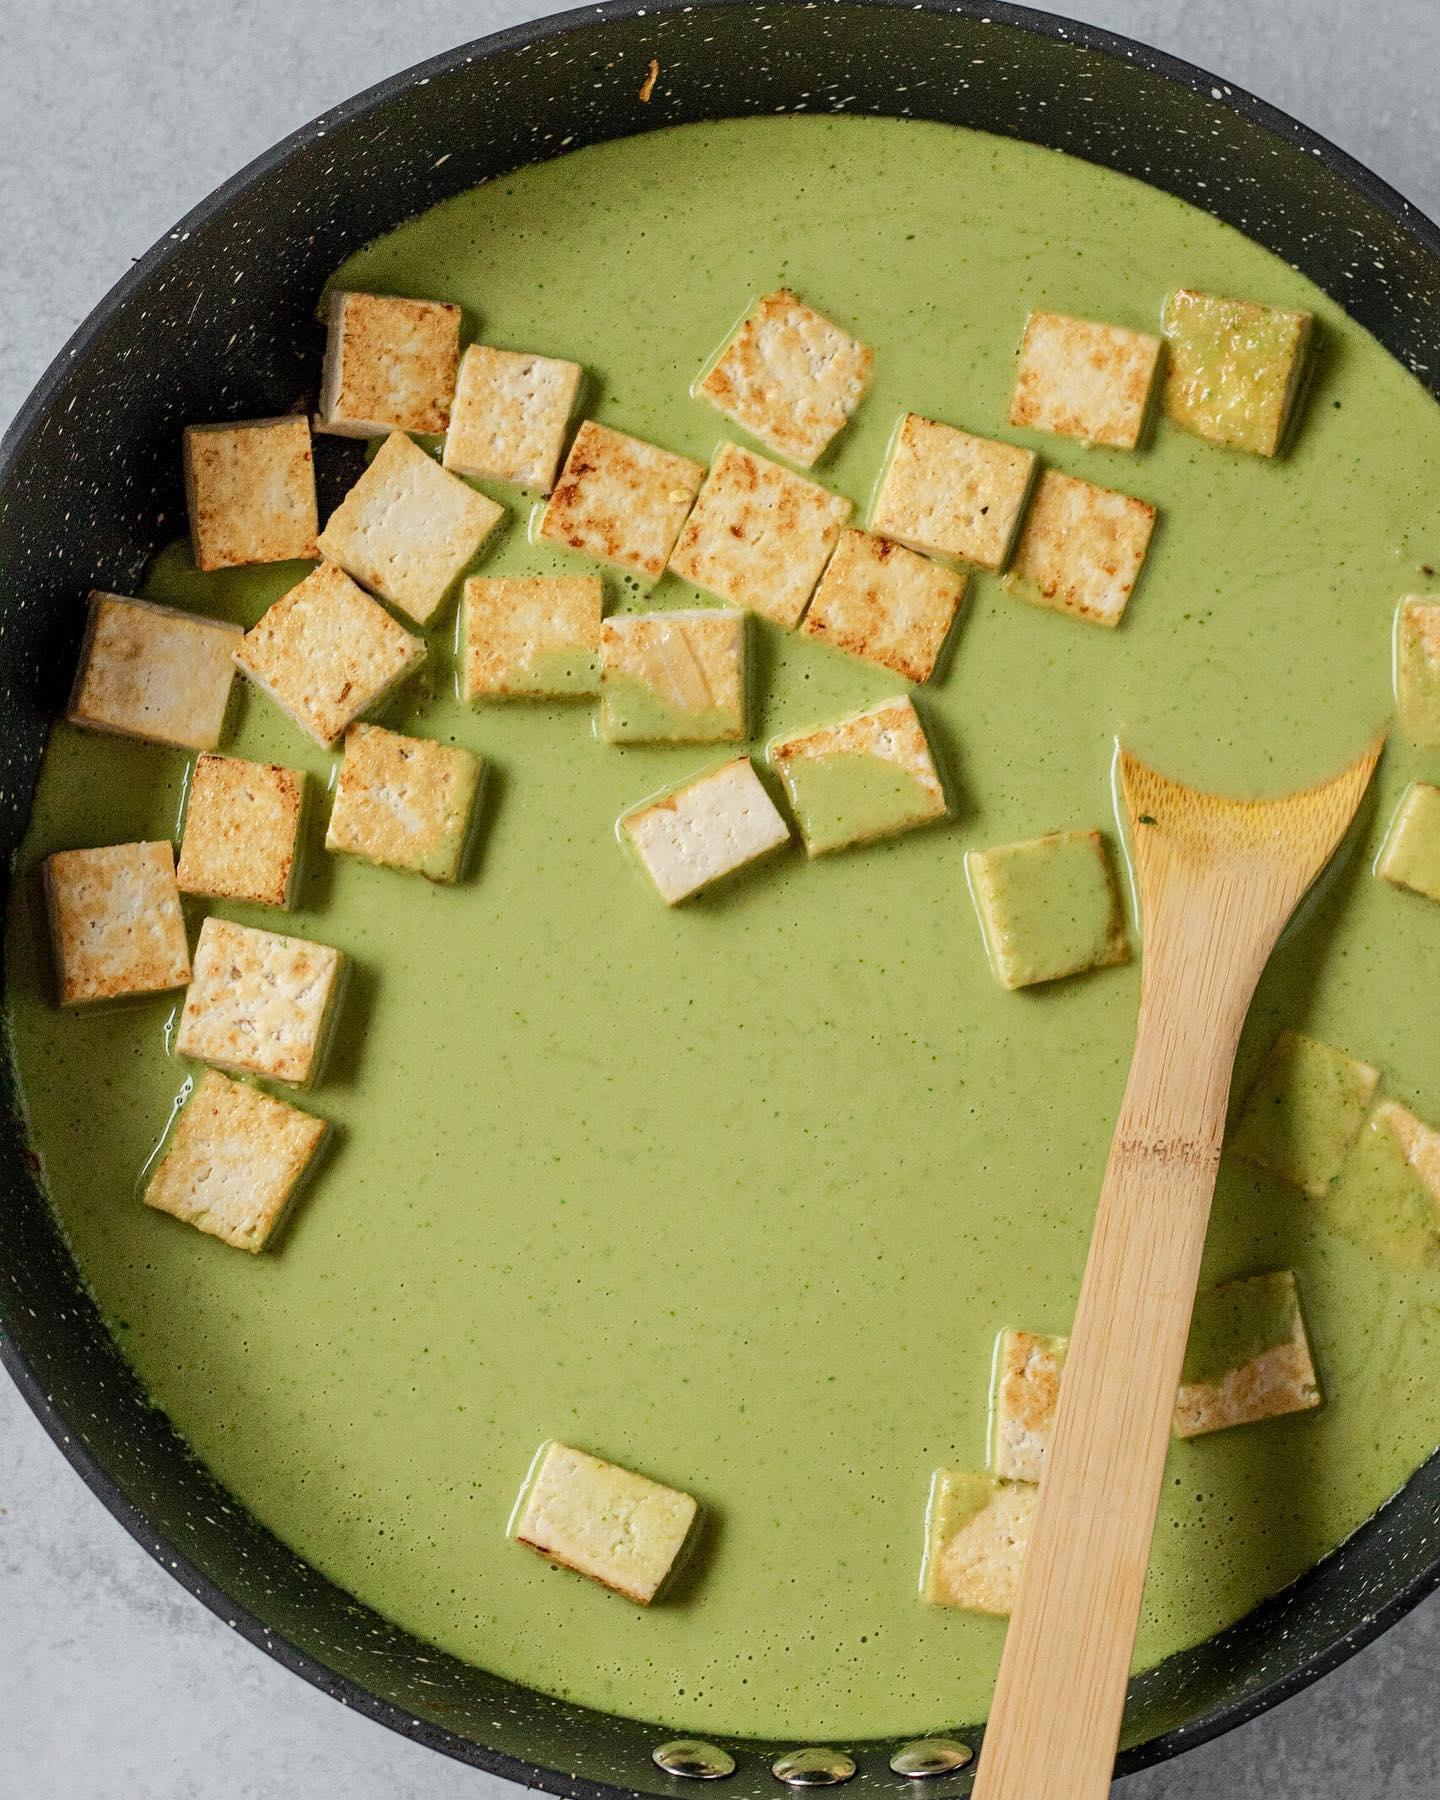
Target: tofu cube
point(619, 1528)
point(1027, 1392)
point(235, 1162)
point(977, 1530)
point(242, 831)
point(406, 529)
point(1084, 380)
point(152, 672)
point(115, 922)
point(673, 677)
point(510, 416)
point(1081, 548)
point(947, 493)
point(704, 830)
point(250, 490)
point(1303, 1111)
point(1247, 1358)
point(1410, 855)
point(620, 500)
point(759, 535)
point(326, 652)
point(1235, 368)
point(882, 602)
point(789, 377)
point(1386, 1197)
point(259, 1003)
point(404, 802)
point(390, 365)
point(530, 637)
point(1048, 908)
point(1417, 669)
point(867, 776)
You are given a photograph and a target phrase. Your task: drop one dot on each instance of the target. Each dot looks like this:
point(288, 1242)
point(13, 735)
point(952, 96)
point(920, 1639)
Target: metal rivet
point(813, 1768)
point(692, 1760)
point(930, 1756)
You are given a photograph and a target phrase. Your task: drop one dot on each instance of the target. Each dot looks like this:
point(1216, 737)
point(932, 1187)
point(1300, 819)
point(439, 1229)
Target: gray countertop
point(116, 116)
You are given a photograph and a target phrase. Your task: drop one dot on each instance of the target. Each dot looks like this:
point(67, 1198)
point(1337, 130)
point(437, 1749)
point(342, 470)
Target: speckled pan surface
point(217, 321)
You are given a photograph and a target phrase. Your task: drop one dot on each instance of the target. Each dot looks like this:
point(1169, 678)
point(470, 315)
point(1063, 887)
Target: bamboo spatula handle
point(1055, 1720)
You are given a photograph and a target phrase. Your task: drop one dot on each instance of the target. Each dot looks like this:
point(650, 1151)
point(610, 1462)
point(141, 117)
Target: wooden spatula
point(1217, 881)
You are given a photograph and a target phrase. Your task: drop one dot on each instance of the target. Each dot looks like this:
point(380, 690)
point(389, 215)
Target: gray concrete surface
point(115, 117)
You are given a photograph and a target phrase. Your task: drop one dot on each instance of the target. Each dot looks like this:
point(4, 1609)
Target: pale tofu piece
point(867, 776)
point(789, 377)
point(259, 1003)
point(882, 602)
point(946, 493)
point(115, 922)
point(703, 830)
point(1084, 380)
point(250, 490)
point(326, 652)
point(530, 637)
point(1417, 669)
point(977, 1531)
point(242, 831)
point(1410, 855)
point(235, 1162)
point(406, 529)
point(510, 416)
point(152, 672)
point(1027, 1392)
point(1303, 1111)
point(619, 1528)
point(1386, 1196)
point(673, 677)
point(1248, 1357)
point(404, 802)
point(759, 535)
point(1049, 907)
point(390, 365)
point(620, 500)
point(1234, 369)
point(1081, 548)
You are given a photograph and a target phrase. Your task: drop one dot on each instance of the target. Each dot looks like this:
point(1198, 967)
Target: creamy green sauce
point(741, 1194)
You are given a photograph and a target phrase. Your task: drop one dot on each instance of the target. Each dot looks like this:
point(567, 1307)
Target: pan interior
point(742, 1194)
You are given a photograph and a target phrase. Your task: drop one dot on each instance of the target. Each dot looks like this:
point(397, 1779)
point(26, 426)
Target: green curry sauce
point(741, 1194)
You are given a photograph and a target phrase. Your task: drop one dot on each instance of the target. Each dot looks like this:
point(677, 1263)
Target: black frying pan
point(90, 488)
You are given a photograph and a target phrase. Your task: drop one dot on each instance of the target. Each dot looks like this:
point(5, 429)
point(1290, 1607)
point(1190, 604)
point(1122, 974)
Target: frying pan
point(217, 321)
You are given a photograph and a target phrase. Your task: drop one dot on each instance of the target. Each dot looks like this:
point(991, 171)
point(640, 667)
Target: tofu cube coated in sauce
point(1234, 369)
point(619, 1528)
point(1048, 907)
point(673, 677)
point(530, 637)
point(977, 1531)
point(1303, 1111)
point(404, 802)
point(1247, 1358)
point(869, 775)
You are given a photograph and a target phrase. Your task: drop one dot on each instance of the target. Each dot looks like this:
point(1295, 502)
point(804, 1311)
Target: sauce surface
point(741, 1195)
